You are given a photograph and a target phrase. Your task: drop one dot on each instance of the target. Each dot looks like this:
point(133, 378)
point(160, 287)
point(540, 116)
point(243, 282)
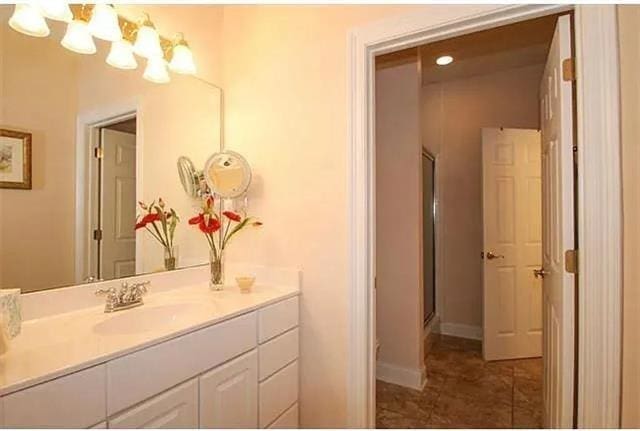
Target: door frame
point(598, 191)
point(88, 125)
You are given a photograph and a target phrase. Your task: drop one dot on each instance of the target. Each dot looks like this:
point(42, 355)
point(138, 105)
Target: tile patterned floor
point(464, 391)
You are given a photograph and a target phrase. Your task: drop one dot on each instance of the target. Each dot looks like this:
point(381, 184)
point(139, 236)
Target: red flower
point(232, 216)
point(209, 227)
point(197, 219)
point(150, 218)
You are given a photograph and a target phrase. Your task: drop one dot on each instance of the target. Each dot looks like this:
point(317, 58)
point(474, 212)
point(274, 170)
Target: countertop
point(56, 345)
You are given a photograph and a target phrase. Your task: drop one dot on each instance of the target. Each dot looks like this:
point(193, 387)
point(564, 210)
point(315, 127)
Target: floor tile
point(464, 391)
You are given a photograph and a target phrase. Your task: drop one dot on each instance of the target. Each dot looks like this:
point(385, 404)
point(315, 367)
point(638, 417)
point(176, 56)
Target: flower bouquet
point(219, 231)
point(161, 225)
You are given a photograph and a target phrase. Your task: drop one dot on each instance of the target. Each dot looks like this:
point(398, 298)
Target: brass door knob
point(492, 256)
point(539, 273)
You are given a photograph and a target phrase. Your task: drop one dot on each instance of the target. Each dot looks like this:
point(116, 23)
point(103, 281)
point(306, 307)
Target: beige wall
point(285, 81)
point(38, 96)
point(629, 21)
point(453, 114)
point(399, 293)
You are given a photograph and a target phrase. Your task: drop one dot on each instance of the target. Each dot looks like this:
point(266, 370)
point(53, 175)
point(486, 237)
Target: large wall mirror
point(101, 140)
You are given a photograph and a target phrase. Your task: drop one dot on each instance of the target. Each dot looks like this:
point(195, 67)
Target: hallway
point(464, 391)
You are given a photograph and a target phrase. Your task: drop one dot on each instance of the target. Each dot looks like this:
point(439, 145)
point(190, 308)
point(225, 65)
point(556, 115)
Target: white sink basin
point(150, 318)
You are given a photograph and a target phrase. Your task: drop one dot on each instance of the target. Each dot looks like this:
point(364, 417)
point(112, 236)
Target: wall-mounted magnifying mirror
point(227, 174)
point(191, 179)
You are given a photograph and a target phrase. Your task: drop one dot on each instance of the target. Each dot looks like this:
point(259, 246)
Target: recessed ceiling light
point(444, 60)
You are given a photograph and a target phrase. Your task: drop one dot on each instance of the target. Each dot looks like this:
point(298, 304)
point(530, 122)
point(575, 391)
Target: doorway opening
point(495, 108)
point(114, 176)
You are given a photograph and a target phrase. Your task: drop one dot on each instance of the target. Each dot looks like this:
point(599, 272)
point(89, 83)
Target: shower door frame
point(434, 207)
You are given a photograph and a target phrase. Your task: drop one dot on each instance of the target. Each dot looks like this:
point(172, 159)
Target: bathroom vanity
point(187, 358)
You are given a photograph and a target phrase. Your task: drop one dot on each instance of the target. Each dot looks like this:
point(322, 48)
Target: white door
point(512, 243)
point(176, 408)
point(118, 204)
point(558, 232)
point(229, 394)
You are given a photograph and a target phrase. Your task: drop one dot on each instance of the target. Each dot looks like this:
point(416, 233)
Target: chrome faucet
point(128, 296)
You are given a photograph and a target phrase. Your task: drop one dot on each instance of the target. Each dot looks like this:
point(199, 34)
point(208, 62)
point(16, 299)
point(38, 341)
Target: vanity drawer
point(277, 318)
point(173, 409)
point(278, 393)
point(142, 374)
point(278, 352)
point(288, 419)
point(73, 401)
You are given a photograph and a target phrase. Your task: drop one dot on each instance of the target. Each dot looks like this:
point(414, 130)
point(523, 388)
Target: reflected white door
point(512, 243)
point(118, 204)
point(558, 232)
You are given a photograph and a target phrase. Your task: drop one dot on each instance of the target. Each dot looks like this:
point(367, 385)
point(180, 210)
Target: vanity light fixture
point(444, 60)
point(182, 57)
point(156, 70)
point(28, 19)
point(58, 10)
point(104, 23)
point(121, 53)
point(148, 40)
point(86, 21)
point(78, 38)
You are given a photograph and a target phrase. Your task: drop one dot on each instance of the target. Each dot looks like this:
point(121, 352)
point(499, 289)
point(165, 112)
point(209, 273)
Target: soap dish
point(245, 283)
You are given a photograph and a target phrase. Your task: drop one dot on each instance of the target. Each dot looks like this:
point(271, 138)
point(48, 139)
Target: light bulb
point(121, 55)
point(182, 59)
point(156, 71)
point(147, 43)
point(28, 19)
point(444, 60)
point(78, 39)
point(104, 23)
point(56, 9)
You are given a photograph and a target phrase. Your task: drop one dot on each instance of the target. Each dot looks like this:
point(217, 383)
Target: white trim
point(599, 213)
point(599, 218)
point(407, 377)
point(85, 124)
point(462, 331)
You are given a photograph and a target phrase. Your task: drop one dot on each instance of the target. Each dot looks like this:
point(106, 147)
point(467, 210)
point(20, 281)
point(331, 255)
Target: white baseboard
point(407, 377)
point(460, 330)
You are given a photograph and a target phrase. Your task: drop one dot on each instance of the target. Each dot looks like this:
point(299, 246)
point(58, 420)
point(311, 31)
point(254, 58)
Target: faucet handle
point(103, 292)
point(139, 289)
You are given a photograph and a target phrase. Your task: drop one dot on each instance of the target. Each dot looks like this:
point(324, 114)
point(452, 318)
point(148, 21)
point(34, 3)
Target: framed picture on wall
point(15, 159)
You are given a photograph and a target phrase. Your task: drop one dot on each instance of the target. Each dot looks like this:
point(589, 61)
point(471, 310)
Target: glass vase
point(216, 265)
point(170, 258)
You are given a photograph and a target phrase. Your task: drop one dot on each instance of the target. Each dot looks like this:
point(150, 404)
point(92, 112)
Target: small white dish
point(245, 283)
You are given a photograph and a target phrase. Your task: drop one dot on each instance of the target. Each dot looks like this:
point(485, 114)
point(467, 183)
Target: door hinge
point(97, 234)
point(571, 261)
point(98, 153)
point(568, 69)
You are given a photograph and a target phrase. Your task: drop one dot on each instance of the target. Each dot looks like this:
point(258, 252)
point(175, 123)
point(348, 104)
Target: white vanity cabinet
point(237, 373)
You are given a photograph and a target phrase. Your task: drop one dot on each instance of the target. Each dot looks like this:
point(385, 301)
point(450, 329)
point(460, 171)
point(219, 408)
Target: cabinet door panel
point(229, 394)
point(175, 408)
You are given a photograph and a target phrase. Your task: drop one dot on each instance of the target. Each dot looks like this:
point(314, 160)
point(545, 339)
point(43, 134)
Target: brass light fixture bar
point(128, 27)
